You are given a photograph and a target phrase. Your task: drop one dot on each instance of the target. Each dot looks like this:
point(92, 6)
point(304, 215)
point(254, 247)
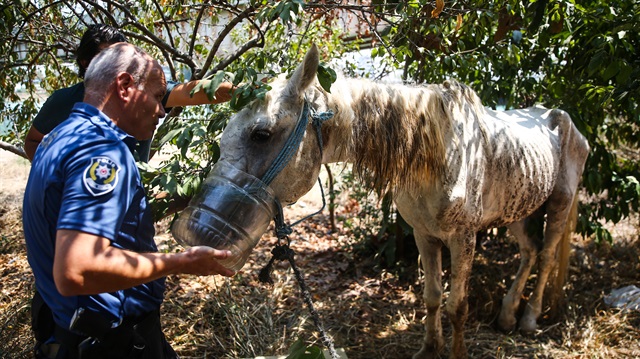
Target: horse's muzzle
point(232, 211)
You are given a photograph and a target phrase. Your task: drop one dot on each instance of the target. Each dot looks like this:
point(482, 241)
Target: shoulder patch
point(101, 176)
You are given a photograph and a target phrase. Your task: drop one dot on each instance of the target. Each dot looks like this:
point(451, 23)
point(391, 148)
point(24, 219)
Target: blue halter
point(288, 150)
point(295, 138)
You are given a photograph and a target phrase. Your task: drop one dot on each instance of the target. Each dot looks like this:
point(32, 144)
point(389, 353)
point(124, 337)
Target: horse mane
point(398, 133)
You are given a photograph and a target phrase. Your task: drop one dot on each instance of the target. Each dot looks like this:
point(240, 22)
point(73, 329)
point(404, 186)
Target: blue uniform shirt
point(84, 178)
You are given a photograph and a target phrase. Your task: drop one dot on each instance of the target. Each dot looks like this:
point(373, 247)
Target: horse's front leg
point(462, 251)
point(431, 256)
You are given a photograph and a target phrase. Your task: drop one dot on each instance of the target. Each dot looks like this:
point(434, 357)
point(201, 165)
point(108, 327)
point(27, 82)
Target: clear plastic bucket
point(232, 211)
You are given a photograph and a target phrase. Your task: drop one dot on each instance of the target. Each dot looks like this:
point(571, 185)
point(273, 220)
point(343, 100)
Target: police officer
point(87, 224)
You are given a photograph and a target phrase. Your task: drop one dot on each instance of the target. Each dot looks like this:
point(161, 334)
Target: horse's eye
point(260, 135)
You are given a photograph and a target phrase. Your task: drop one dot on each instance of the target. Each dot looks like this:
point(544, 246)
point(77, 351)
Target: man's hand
point(202, 260)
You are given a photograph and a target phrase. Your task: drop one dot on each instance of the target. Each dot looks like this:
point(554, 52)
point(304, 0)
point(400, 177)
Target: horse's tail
point(565, 243)
point(563, 251)
point(575, 149)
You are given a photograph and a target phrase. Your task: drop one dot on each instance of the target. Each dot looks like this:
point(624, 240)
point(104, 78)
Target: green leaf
point(170, 184)
point(326, 76)
point(297, 349)
point(300, 351)
point(624, 75)
point(196, 88)
point(285, 14)
point(413, 4)
point(183, 141)
point(611, 70)
point(260, 62)
point(212, 86)
point(238, 76)
point(596, 62)
point(169, 136)
point(243, 95)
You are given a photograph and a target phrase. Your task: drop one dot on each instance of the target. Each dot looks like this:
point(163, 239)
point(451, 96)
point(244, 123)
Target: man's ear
point(124, 83)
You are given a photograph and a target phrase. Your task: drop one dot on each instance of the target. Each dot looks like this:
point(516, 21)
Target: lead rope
point(282, 250)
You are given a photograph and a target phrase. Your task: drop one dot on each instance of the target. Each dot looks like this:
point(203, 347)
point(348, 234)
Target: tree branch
point(13, 149)
point(255, 42)
point(164, 23)
point(223, 34)
point(149, 36)
point(196, 27)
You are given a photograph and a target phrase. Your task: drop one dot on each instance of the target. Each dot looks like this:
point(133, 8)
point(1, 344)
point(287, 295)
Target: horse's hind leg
point(525, 232)
point(558, 208)
point(431, 256)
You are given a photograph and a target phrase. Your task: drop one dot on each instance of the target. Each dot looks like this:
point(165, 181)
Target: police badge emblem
point(101, 176)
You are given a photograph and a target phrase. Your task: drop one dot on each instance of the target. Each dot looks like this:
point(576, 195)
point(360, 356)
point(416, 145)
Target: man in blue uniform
point(87, 223)
point(58, 106)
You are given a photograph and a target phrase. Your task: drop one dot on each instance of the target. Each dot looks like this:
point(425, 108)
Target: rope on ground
point(284, 252)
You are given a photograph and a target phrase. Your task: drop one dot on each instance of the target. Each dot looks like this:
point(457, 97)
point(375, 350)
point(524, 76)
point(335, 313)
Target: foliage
point(254, 40)
point(581, 57)
point(300, 351)
point(578, 56)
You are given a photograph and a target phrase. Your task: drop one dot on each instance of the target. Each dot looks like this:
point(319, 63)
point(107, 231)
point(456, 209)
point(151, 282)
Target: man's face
point(146, 108)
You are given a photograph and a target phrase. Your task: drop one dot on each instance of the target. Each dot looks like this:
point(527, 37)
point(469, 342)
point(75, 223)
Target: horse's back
point(572, 146)
point(528, 150)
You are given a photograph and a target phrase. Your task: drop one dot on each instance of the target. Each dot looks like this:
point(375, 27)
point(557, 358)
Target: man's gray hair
point(117, 58)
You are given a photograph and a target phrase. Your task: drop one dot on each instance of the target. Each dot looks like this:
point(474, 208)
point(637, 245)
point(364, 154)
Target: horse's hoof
point(507, 324)
point(430, 351)
point(528, 326)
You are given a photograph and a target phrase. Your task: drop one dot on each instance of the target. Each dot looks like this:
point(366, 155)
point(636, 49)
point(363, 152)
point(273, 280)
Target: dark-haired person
point(58, 106)
point(87, 222)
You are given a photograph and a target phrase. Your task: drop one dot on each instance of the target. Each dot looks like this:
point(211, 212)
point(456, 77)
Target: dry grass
point(371, 312)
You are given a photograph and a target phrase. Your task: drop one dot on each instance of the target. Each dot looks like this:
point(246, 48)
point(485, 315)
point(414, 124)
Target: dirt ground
point(369, 310)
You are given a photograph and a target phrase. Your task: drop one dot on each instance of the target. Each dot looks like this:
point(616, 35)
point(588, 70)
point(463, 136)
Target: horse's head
point(256, 136)
point(238, 199)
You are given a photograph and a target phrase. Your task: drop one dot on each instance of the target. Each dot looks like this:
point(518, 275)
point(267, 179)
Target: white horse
point(455, 168)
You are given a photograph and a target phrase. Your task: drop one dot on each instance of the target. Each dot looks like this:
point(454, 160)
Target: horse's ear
point(304, 74)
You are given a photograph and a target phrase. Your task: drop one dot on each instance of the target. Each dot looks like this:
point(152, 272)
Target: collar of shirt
point(101, 120)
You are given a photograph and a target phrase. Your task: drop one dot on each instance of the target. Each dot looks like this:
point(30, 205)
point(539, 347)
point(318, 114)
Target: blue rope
point(324, 204)
point(293, 142)
point(282, 229)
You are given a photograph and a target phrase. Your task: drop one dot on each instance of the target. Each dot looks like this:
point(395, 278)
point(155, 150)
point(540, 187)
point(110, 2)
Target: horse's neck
point(393, 133)
point(347, 99)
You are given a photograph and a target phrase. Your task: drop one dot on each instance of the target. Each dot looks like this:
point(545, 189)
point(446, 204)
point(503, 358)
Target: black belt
point(117, 339)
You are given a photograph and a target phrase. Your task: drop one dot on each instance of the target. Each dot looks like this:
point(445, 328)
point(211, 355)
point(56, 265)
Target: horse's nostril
point(260, 135)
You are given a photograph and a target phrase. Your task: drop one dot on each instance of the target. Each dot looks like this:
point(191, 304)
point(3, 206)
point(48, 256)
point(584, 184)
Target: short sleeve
point(170, 86)
point(57, 108)
point(98, 186)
